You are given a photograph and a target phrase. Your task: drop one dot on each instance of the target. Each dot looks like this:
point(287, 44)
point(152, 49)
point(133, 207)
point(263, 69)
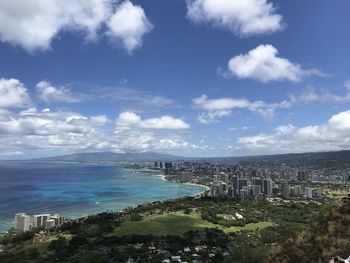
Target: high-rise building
point(22, 222)
point(268, 186)
point(49, 223)
point(59, 220)
point(285, 189)
point(260, 182)
point(185, 177)
point(235, 182)
point(231, 192)
point(308, 192)
point(302, 176)
point(39, 220)
point(223, 177)
point(218, 189)
point(168, 168)
point(243, 194)
point(296, 190)
point(256, 190)
point(242, 183)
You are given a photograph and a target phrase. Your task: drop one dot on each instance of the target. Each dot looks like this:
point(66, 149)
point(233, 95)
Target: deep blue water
point(74, 189)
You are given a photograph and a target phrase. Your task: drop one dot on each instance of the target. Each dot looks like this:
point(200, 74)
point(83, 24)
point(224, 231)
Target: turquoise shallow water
point(75, 189)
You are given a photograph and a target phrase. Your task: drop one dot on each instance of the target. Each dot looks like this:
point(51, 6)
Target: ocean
point(76, 189)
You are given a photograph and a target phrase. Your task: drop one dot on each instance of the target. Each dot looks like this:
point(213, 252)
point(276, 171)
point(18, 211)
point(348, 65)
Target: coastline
point(201, 190)
point(152, 172)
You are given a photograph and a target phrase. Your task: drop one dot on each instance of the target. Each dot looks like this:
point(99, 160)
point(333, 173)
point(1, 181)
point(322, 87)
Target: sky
point(191, 78)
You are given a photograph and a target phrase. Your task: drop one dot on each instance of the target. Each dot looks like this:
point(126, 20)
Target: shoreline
point(151, 172)
point(136, 171)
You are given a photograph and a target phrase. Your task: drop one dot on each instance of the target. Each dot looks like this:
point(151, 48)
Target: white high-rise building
point(39, 220)
point(49, 223)
point(59, 220)
point(22, 222)
point(308, 192)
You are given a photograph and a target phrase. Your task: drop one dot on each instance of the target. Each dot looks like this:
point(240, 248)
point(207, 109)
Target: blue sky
point(193, 78)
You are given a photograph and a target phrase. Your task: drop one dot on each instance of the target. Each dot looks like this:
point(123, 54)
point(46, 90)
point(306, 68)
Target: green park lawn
point(176, 223)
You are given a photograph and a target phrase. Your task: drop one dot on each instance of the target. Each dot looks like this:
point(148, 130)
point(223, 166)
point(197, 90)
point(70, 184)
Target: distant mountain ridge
point(110, 156)
point(327, 158)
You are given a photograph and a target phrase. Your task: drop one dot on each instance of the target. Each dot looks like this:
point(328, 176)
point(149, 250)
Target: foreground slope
point(327, 236)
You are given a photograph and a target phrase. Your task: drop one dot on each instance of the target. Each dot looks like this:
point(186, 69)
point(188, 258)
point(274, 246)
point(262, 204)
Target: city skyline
point(189, 78)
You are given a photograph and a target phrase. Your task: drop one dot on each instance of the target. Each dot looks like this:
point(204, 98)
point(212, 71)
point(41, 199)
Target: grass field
point(176, 223)
point(43, 245)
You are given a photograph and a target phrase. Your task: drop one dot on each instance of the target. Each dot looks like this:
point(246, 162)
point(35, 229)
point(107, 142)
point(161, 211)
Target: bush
point(58, 243)
point(135, 217)
point(33, 253)
point(76, 242)
point(188, 211)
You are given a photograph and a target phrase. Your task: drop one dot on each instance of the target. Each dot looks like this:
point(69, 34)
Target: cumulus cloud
point(212, 116)
point(13, 94)
point(49, 93)
point(50, 130)
point(333, 135)
point(24, 127)
point(99, 120)
point(136, 140)
point(128, 25)
point(263, 64)
point(214, 109)
point(128, 119)
point(34, 24)
point(45, 123)
point(243, 18)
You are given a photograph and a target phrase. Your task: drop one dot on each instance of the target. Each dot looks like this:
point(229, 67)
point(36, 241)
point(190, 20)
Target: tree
point(33, 253)
point(58, 243)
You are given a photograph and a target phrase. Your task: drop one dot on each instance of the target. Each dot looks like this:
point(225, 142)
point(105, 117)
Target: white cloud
point(33, 24)
point(334, 135)
point(204, 103)
point(212, 116)
point(135, 140)
point(77, 92)
point(264, 65)
point(310, 96)
point(128, 25)
point(13, 94)
point(164, 123)
point(221, 107)
point(48, 93)
point(56, 131)
point(244, 18)
point(99, 120)
point(33, 122)
point(127, 119)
